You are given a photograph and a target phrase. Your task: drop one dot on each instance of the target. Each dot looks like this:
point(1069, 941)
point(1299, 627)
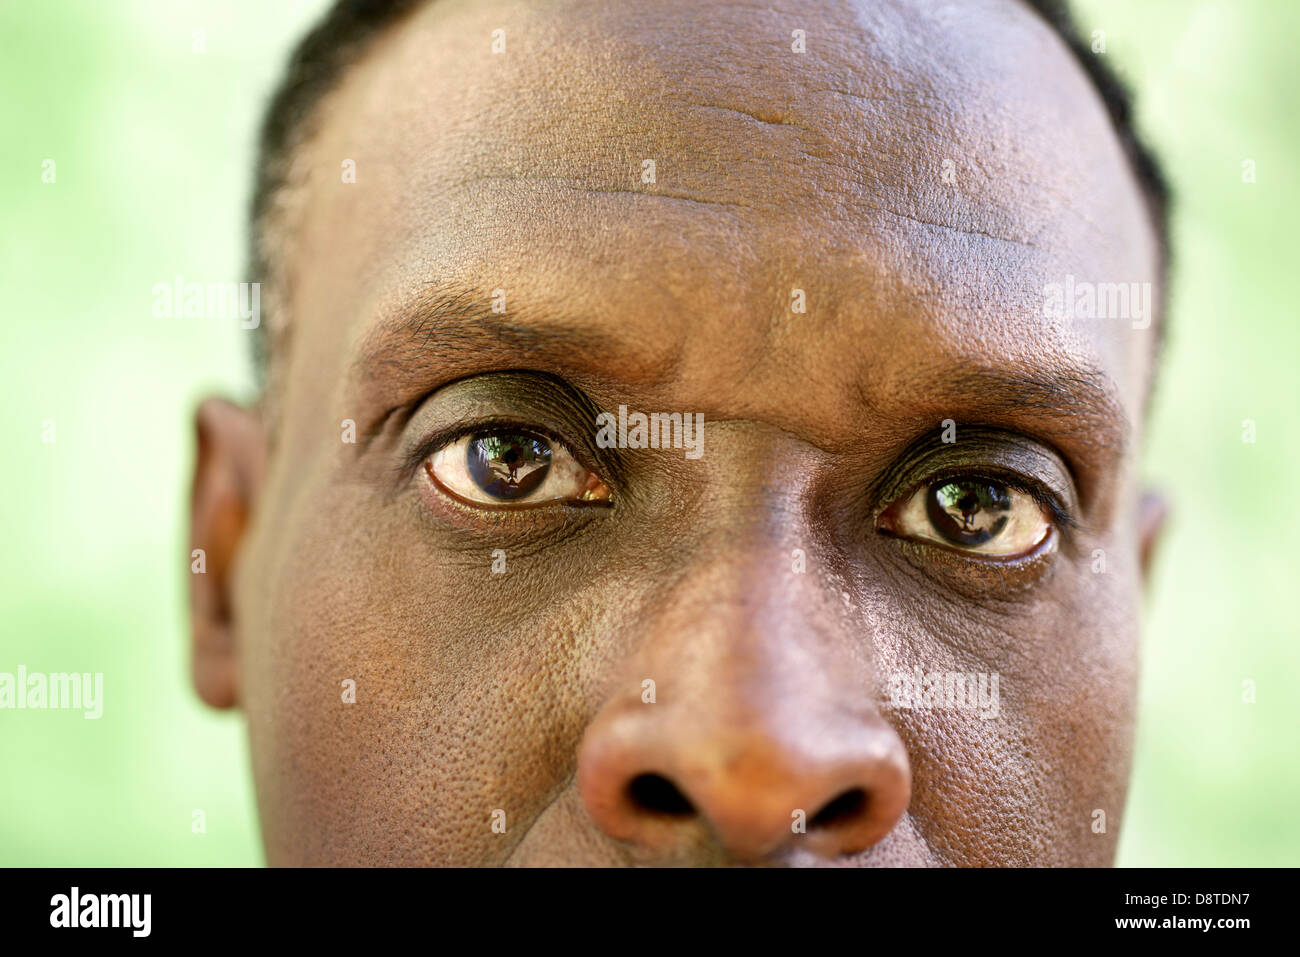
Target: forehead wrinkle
point(786, 118)
point(704, 180)
point(633, 115)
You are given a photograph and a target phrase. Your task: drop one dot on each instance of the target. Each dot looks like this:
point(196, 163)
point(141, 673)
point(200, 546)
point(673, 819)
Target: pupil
point(967, 512)
point(508, 465)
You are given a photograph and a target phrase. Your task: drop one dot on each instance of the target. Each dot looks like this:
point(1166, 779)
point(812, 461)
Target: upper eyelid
point(509, 398)
point(444, 437)
point(983, 450)
point(454, 435)
point(1043, 495)
point(451, 434)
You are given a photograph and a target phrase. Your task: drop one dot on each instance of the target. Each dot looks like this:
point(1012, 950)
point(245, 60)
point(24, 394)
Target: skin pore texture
point(823, 171)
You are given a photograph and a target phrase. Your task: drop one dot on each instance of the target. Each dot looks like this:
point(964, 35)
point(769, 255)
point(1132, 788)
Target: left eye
point(512, 467)
point(972, 515)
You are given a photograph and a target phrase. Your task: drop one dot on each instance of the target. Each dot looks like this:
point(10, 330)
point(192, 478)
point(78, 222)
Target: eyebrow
point(1073, 408)
point(1081, 399)
point(457, 329)
point(1076, 410)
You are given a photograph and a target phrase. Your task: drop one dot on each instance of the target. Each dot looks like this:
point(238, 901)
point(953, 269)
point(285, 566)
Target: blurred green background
point(153, 146)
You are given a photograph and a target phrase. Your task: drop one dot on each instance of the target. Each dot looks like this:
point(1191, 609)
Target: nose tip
point(662, 785)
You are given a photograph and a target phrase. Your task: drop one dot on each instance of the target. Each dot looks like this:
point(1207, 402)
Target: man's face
point(838, 259)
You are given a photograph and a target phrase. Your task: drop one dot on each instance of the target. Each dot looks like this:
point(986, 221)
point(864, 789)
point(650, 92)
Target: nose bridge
point(749, 617)
point(749, 655)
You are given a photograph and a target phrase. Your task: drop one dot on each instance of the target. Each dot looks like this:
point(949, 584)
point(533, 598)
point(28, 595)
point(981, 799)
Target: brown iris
point(508, 464)
point(968, 512)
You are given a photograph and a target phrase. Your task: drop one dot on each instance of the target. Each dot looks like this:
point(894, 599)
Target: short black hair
point(338, 40)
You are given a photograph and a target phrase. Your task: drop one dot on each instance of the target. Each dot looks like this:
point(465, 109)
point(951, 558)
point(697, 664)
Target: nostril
point(843, 809)
point(656, 794)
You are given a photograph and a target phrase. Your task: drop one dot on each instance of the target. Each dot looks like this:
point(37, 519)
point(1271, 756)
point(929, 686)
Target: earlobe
point(1153, 509)
point(227, 474)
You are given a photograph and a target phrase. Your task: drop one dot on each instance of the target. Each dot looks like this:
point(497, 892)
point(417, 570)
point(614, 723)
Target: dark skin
point(775, 171)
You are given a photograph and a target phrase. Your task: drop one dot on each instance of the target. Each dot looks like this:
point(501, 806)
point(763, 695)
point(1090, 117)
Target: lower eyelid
point(983, 577)
point(521, 506)
point(495, 523)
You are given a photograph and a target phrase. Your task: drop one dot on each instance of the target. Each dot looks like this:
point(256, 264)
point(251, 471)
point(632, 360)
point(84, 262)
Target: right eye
point(972, 515)
point(512, 468)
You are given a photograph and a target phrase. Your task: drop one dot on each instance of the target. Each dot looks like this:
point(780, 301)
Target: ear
point(1153, 509)
point(227, 475)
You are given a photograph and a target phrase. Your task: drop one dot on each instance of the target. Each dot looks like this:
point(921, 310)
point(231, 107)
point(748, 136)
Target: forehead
point(663, 177)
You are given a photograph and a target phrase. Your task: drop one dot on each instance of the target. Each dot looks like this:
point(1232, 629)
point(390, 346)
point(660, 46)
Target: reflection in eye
point(512, 467)
point(975, 515)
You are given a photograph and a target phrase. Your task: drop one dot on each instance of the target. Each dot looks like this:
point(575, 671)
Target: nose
point(664, 779)
point(760, 735)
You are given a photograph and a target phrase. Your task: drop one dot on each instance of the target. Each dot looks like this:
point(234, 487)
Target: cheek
point(1042, 780)
point(398, 695)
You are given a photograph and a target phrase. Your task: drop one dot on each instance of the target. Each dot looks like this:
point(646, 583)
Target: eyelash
point(538, 517)
point(1044, 497)
point(415, 461)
